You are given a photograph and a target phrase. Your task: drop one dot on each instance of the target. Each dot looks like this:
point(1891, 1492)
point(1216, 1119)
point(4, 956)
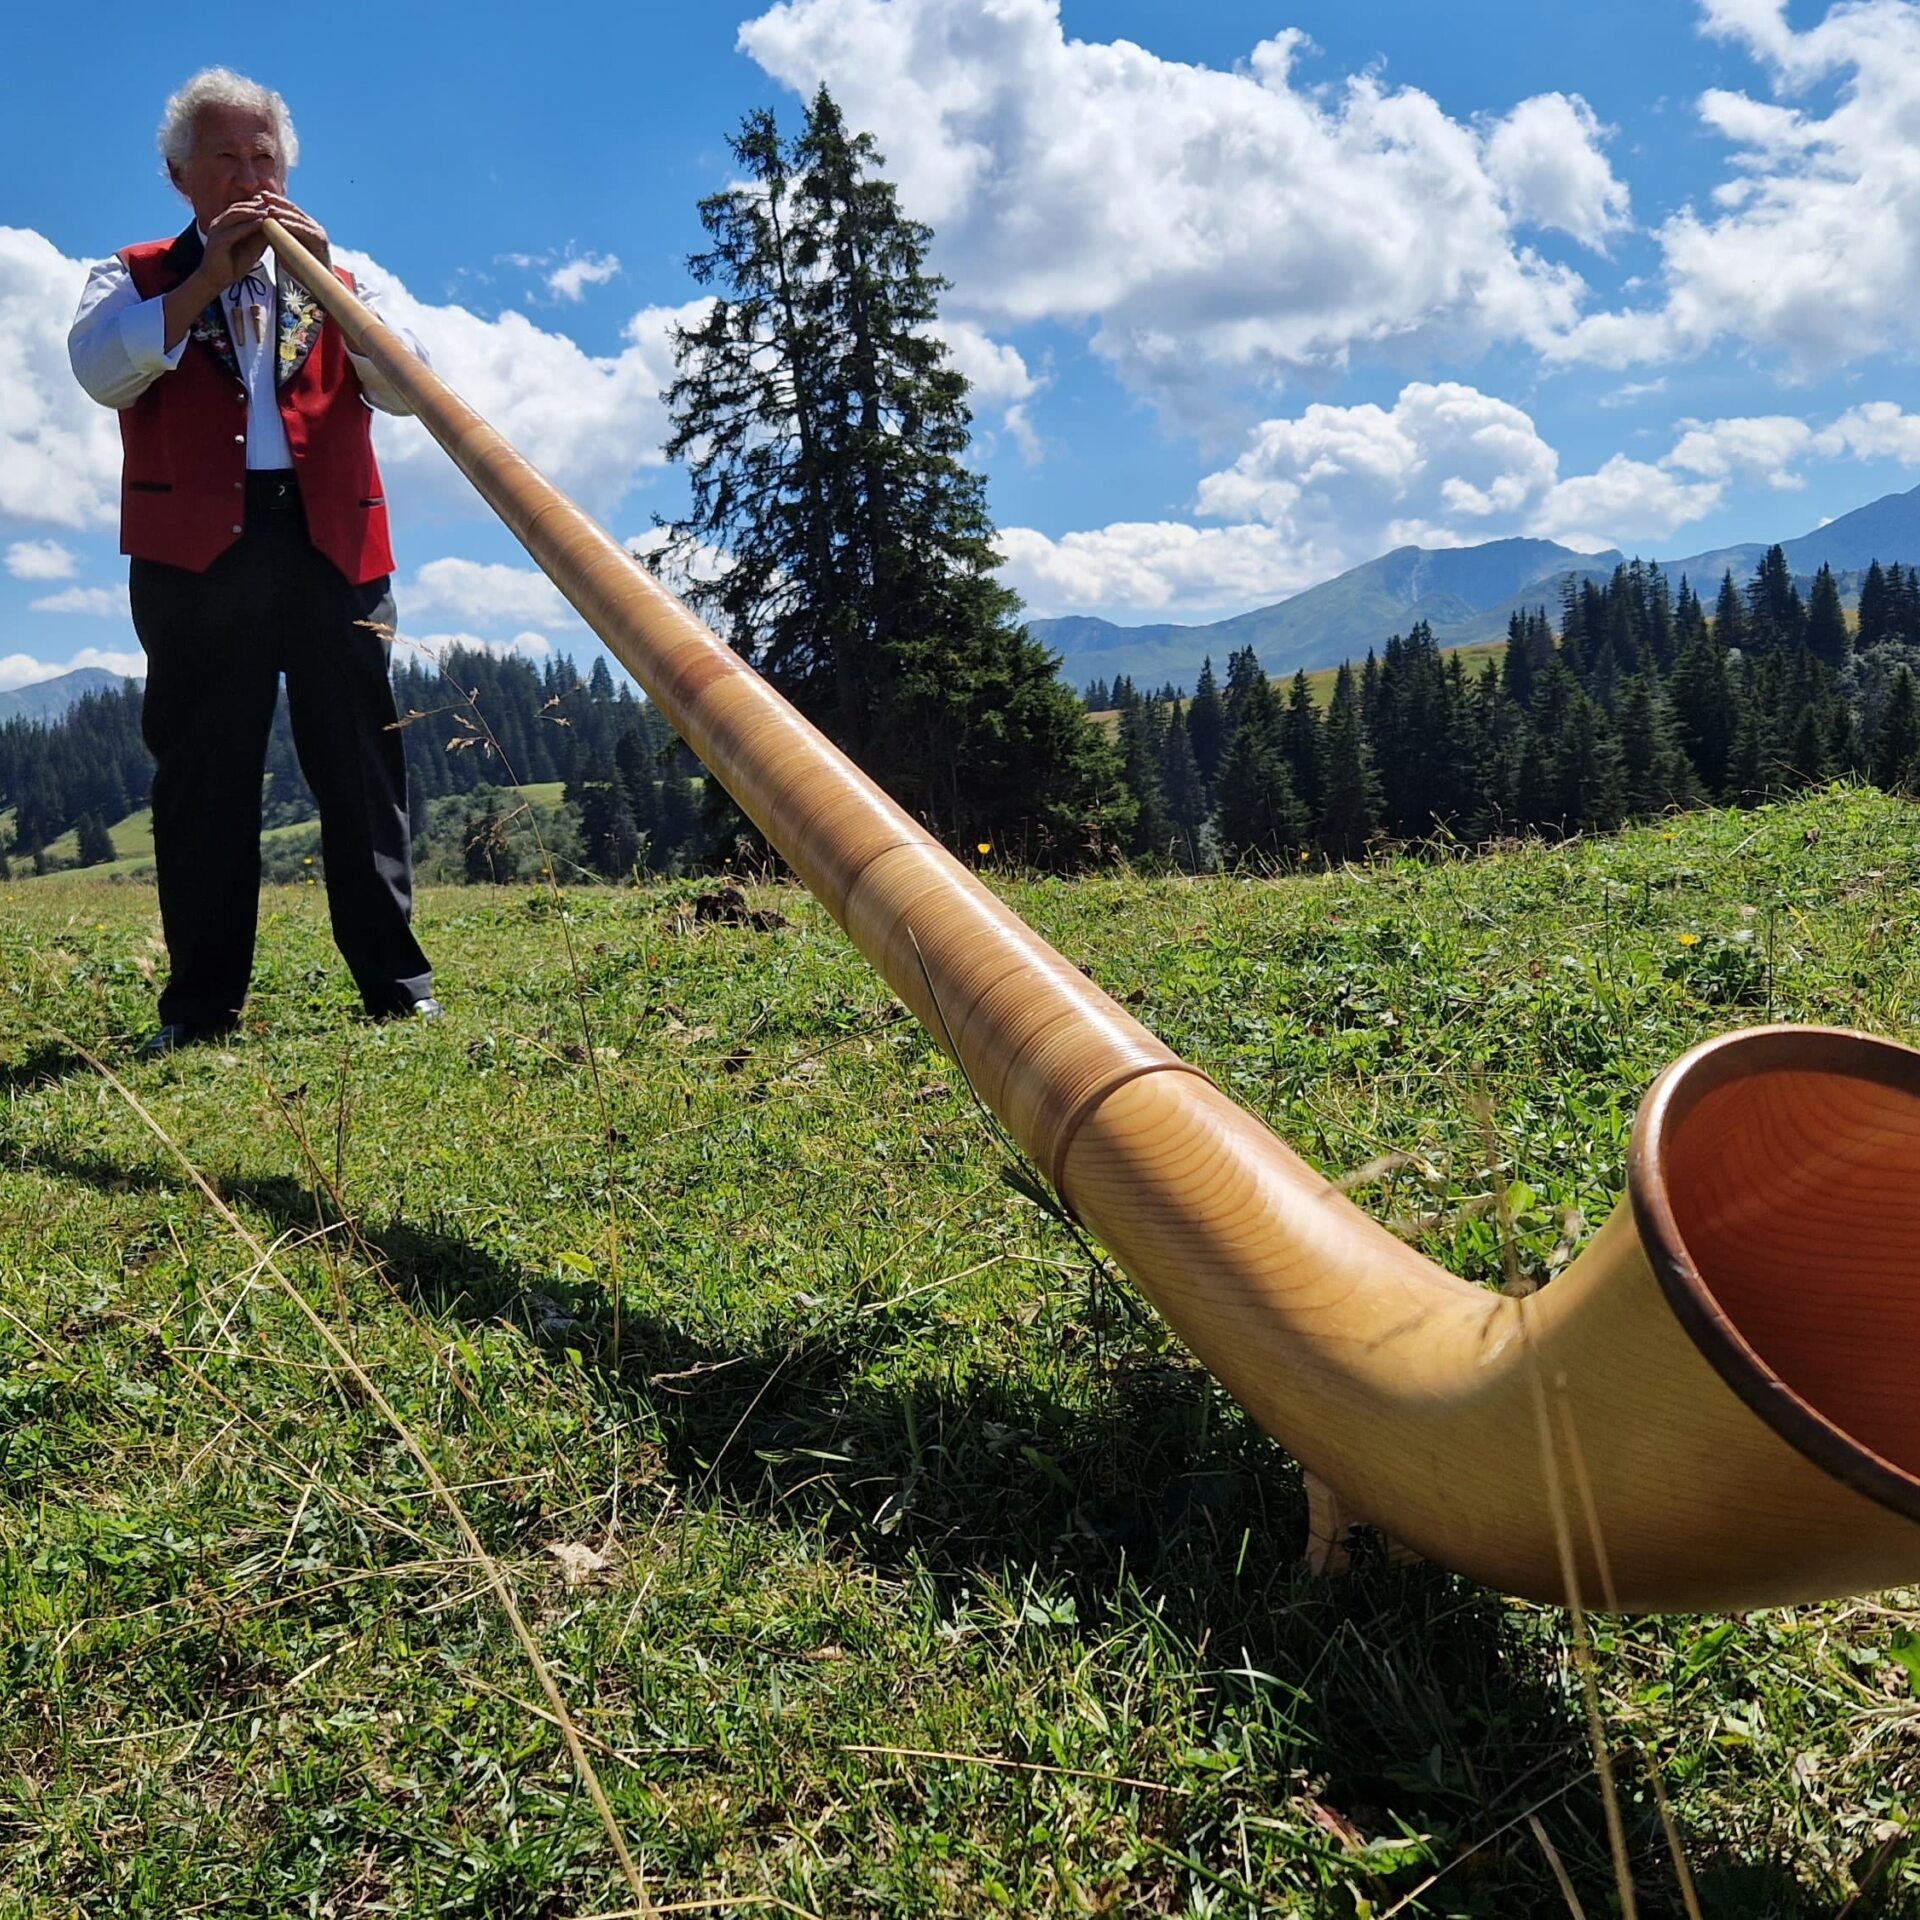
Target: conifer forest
point(1628, 700)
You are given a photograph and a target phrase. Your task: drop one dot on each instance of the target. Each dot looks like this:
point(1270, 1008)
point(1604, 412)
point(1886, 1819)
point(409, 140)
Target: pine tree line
point(1644, 702)
point(478, 723)
point(90, 764)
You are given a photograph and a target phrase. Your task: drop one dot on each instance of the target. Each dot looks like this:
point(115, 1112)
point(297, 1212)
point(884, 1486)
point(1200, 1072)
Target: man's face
point(235, 156)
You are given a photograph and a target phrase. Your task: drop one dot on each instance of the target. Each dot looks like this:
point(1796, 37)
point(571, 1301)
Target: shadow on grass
point(42, 1065)
point(1412, 1700)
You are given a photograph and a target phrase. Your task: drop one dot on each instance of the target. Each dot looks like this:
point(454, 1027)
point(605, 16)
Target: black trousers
point(217, 643)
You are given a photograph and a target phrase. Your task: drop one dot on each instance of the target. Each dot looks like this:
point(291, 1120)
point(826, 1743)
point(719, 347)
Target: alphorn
point(1713, 1407)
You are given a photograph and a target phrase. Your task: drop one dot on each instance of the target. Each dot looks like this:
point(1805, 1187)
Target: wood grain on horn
point(1716, 1401)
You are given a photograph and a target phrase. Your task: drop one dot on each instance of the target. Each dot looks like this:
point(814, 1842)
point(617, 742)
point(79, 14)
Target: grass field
point(887, 1558)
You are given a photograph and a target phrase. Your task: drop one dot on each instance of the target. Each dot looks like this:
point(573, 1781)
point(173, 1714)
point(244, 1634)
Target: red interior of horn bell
point(1776, 1181)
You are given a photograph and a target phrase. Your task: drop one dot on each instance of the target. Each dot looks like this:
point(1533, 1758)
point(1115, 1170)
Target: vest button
point(239, 529)
point(239, 439)
point(239, 486)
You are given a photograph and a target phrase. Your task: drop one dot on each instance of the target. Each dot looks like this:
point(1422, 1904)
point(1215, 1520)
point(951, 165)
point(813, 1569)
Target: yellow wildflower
point(1689, 939)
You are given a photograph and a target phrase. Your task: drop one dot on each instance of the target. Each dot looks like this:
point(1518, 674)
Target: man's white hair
point(222, 87)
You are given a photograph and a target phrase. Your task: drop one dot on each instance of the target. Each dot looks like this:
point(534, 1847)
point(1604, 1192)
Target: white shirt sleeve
point(117, 343)
point(379, 390)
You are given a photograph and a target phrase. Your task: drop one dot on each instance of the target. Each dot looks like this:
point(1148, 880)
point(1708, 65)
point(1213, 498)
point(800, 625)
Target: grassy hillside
point(889, 1560)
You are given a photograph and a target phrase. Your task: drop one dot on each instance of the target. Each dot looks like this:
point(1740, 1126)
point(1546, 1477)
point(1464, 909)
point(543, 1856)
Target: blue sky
point(1249, 292)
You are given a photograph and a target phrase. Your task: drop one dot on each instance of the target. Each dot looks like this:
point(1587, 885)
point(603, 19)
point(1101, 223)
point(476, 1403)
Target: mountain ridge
point(1465, 594)
point(48, 700)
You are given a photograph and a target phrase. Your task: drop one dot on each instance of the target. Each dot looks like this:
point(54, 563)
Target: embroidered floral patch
point(301, 318)
point(210, 329)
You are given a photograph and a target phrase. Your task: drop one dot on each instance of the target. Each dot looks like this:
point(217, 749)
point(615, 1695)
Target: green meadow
point(880, 1553)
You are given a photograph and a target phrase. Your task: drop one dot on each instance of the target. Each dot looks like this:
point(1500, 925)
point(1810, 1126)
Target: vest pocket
point(149, 486)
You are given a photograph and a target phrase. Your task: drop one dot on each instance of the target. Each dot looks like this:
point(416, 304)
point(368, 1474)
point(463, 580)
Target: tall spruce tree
point(1846, 756)
point(1350, 799)
point(1750, 758)
point(95, 842)
point(1827, 637)
point(1185, 792)
point(1876, 607)
point(824, 430)
point(1808, 751)
point(1729, 615)
point(1775, 616)
point(608, 836)
point(1896, 746)
point(1143, 730)
point(1207, 723)
point(1643, 765)
point(1300, 742)
point(1705, 711)
point(1529, 654)
point(1260, 816)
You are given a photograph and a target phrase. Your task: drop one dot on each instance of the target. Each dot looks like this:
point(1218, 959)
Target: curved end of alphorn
point(1729, 1377)
point(1775, 1184)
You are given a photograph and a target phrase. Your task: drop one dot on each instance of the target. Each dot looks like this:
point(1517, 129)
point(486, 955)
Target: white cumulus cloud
point(1442, 458)
point(999, 381)
point(101, 603)
point(1316, 493)
point(41, 560)
point(571, 279)
point(1876, 430)
point(484, 593)
point(1811, 248)
point(1151, 567)
point(592, 423)
point(1761, 447)
point(59, 451)
point(1547, 157)
point(1622, 501)
point(1444, 465)
point(1201, 221)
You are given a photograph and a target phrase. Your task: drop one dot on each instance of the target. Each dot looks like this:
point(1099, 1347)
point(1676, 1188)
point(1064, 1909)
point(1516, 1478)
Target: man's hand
point(300, 226)
point(235, 243)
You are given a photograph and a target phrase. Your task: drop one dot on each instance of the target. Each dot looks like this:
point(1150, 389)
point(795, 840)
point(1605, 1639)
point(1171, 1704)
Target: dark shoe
point(425, 1009)
point(175, 1035)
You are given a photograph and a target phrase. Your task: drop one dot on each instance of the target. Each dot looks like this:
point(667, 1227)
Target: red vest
point(184, 441)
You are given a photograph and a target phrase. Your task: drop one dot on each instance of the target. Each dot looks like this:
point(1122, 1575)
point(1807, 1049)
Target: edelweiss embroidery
point(301, 318)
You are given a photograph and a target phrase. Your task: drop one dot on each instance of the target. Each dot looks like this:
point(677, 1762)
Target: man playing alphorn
point(253, 513)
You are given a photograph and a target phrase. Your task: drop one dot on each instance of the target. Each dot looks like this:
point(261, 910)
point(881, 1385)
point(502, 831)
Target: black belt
point(272, 490)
